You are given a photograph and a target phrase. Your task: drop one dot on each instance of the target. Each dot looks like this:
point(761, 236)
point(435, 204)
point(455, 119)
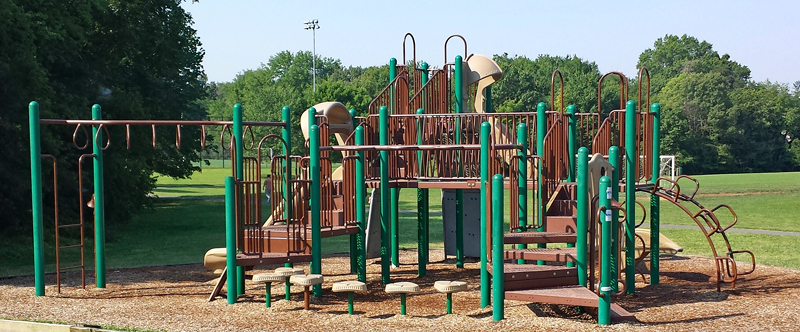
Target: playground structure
point(420, 134)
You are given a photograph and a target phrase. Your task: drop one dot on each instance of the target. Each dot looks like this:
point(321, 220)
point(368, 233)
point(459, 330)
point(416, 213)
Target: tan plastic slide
point(340, 124)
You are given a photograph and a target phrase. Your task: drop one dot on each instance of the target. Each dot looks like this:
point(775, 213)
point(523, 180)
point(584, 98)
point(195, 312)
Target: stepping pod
point(269, 278)
point(306, 281)
point(402, 288)
point(288, 272)
point(350, 287)
point(450, 287)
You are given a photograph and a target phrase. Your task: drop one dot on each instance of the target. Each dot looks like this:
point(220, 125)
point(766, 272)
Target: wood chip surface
point(174, 298)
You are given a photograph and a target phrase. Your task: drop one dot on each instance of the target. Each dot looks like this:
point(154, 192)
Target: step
point(560, 224)
point(538, 237)
point(560, 255)
point(568, 295)
point(531, 276)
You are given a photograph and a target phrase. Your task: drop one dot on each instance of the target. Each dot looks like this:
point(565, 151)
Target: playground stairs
point(542, 275)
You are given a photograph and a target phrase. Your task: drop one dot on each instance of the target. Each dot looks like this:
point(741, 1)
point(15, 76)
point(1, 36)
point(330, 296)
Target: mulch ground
point(174, 298)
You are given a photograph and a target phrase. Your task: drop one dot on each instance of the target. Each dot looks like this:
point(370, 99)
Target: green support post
point(459, 87)
point(402, 304)
point(361, 192)
point(354, 237)
point(36, 198)
point(384, 158)
point(498, 288)
point(655, 202)
point(423, 220)
point(395, 224)
point(286, 135)
point(349, 303)
point(238, 133)
point(316, 239)
point(394, 193)
point(604, 305)
point(449, 303)
point(522, 180)
point(486, 131)
point(99, 202)
point(582, 215)
point(571, 139)
point(230, 238)
point(541, 131)
point(613, 159)
point(571, 142)
point(632, 160)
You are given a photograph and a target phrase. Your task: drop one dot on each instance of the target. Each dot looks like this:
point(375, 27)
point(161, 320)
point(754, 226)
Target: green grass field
point(180, 230)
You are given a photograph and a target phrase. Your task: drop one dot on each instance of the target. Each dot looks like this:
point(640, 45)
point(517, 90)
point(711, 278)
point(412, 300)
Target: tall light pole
point(313, 25)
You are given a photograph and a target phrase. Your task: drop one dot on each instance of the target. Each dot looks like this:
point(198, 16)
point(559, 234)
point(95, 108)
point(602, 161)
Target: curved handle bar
point(75, 135)
point(97, 136)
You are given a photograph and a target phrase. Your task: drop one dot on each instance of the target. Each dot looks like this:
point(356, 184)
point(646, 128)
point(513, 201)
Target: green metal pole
point(354, 237)
point(655, 202)
point(486, 129)
point(423, 222)
point(238, 133)
point(571, 146)
point(316, 239)
point(360, 205)
point(385, 227)
point(522, 180)
point(604, 302)
point(449, 303)
point(613, 159)
point(497, 249)
point(632, 159)
point(402, 304)
point(99, 203)
point(268, 295)
point(541, 131)
point(230, 238)
point(582, 214)
point(395, 224)
point(394, 193)
point(459, 87)
point(350, 303)
point(36, 197)
point(392, 76)
point(286, 135)
point(571, 142)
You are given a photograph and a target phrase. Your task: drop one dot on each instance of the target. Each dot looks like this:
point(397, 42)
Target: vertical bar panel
point(571, 142)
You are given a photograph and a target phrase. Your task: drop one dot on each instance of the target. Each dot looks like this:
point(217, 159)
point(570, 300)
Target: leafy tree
point(138, 59)
point(673, 55)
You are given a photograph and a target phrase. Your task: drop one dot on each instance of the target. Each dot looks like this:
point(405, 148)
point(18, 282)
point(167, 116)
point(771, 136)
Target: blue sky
point(242, 34)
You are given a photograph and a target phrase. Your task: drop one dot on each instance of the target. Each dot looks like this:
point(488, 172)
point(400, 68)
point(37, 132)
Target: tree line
point(143, 60)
